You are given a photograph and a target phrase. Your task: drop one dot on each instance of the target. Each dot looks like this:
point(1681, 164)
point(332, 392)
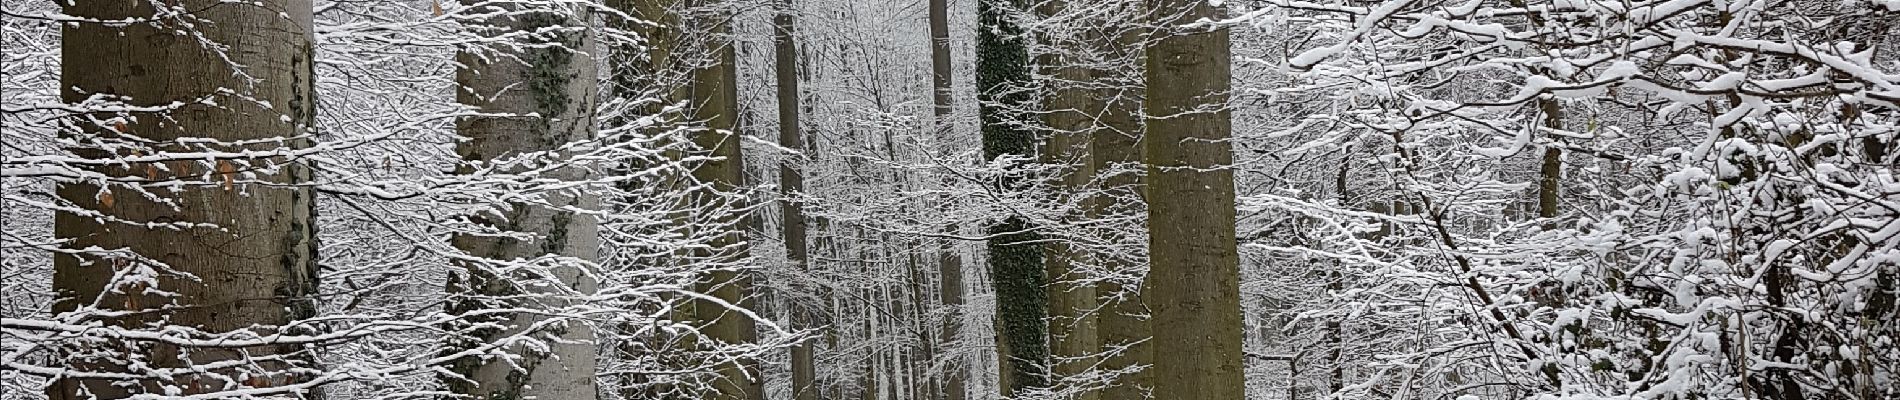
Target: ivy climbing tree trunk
point(1193, 287)
point(255, 270)
point(534, 98)
point(1015, 258)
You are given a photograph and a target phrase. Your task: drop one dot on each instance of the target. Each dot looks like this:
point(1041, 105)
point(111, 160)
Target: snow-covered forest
point(950, 199)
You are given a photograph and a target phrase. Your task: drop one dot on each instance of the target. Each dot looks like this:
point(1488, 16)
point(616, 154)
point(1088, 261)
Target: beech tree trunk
point(1550, 167)
point(256, 269)
point(792, 183)
point(1193, 287)
point(715, 100)
point(652, 69)
point(1115, 154)
point(1069, 112)
point(543, 98)
point(949, 263)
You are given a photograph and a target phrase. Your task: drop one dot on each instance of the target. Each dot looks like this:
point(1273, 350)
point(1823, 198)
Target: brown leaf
point(436, 6)
point(229, 172)
point(105, 198)
point(151, 171)
point(133, 291)
point(120, 127)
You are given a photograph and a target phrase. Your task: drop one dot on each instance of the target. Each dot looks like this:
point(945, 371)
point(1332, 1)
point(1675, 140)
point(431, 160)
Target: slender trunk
point(1195, 282)
point(256, 269)
point(1015, 259)
point(868, 386)
point(950, 268)
point(1551, 167)
point(792, 184)
point(949, 263)
point(926, 349)
point(940, 78)
point(560, 92)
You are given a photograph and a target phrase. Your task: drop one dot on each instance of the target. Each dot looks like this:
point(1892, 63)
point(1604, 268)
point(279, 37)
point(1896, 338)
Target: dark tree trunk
point(949, 263)
point(792, 183)
point(1002, 76)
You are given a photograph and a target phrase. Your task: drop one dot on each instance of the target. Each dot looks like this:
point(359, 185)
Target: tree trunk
point(1115, 152)
point(256, 270)
point(1015, 259)
point(949, 263)
point(1070, 116)
point(792, 183)
point(1194, 286)
point(1550, 170)
point(715, 98)
point(649, 70)
point(557, 86)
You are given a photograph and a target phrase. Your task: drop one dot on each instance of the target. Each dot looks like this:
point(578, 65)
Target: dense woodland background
point(937, 199)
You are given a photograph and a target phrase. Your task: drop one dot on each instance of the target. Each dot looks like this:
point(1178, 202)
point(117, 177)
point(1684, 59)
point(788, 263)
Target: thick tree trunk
point(1194, 286)
point(1115, 152)
point(641, 71)
point(715, 98)
point(1070, 109)
point(557, 86)
point(1015, 259)
point(792, 183)
point(256, 270)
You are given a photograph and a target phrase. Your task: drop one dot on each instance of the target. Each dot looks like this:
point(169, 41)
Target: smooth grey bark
point(1194, 284)
point(256, 269)
point(536, 101)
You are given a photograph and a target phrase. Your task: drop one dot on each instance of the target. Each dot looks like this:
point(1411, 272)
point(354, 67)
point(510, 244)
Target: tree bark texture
point(1069, 109)
point(255, 270)
point(1193, 287)
point(1115, 154)
point(534, 102)
point(715, 100)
